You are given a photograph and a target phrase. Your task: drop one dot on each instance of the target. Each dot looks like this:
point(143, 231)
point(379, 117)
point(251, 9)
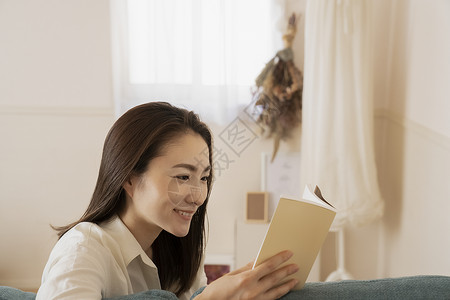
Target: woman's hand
point(263, 282)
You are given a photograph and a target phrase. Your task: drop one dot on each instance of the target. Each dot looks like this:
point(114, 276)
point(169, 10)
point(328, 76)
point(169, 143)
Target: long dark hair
point(133, 141)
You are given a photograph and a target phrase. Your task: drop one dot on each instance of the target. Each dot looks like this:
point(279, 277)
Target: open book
point(299, 225)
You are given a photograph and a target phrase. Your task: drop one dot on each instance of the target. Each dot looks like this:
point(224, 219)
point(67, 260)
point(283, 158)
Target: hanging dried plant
point(278, 94)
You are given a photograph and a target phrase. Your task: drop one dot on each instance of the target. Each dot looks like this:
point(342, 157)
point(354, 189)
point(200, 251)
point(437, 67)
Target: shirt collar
point(128, 244)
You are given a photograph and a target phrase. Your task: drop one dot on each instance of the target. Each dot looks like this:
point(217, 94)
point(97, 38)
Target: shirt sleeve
point(73, 274)
point(78, 267)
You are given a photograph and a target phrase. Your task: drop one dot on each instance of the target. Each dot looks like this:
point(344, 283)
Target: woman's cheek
point(175, 191)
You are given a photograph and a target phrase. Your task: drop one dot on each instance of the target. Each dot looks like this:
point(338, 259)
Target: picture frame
point(257, 207)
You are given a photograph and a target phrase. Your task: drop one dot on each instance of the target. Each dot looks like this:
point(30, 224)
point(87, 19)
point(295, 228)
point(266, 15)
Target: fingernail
point(289, 254)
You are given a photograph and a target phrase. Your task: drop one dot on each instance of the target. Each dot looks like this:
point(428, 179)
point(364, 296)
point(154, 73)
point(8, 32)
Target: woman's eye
point(183, 177)
point(204, 178)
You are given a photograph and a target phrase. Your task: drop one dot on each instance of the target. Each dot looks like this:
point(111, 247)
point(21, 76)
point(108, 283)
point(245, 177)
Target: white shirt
point(95, 262)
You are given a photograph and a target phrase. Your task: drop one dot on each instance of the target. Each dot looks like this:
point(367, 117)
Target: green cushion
point(147, 295)
point(9, 293)
point(414, 287)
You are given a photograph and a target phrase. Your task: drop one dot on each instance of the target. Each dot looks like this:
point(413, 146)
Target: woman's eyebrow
point(191, 167)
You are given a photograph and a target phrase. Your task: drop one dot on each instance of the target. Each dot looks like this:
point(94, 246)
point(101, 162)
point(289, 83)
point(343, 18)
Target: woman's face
point(168, 194)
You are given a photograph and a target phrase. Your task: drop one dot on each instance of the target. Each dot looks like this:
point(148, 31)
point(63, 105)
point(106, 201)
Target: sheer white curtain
point(201, 54)
point(337, 132)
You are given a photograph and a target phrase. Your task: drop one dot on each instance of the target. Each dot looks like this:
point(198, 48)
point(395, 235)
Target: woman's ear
point(129, 186)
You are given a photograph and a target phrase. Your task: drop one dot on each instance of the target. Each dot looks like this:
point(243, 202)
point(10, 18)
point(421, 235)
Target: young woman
point(144, 227)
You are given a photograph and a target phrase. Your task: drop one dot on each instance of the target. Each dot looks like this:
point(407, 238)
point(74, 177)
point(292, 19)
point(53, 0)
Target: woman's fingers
point(273, 263)
point(276, 277)
point(266, 281)
point(271, 277)
point(243, 269)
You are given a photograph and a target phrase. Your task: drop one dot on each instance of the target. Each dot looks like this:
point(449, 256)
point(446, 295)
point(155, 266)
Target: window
point(201, 54)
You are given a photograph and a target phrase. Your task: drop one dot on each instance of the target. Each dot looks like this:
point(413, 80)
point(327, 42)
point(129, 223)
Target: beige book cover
point(299, 225)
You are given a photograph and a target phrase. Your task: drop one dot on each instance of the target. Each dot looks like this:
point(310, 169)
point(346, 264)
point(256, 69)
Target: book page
point(313, 198)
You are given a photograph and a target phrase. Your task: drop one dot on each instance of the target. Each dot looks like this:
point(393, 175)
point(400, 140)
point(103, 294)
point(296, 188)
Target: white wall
point(55, 110)
point(417, 142)
point(413, 144)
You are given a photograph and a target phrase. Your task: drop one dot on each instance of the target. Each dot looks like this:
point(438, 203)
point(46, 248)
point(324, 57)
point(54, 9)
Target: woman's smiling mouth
point(184, 213)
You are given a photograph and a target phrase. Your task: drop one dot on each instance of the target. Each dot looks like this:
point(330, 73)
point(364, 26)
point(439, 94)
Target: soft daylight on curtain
point(337, 133)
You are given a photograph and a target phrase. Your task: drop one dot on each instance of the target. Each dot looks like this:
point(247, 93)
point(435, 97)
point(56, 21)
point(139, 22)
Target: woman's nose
point(195, 195)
